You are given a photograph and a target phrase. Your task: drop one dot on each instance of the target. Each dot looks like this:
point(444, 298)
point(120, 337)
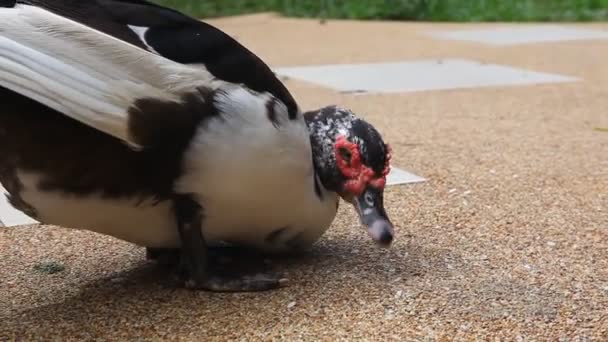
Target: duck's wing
point(175, 36)
point(92, 77)
point(102, 81)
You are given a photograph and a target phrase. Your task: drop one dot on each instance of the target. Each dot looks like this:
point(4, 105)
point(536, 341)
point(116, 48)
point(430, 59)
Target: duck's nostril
point(386, 238)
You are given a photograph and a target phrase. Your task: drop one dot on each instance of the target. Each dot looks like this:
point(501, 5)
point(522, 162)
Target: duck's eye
point(369, 199)
point(346, 155)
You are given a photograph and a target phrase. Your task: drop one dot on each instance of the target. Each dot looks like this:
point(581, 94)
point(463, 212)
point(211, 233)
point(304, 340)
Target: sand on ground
point(507, 239)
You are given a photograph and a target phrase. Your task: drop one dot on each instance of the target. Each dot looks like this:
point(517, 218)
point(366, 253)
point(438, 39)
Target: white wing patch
point(67, 89)
point(140, 31)
point(238, 100)
point(83, 73)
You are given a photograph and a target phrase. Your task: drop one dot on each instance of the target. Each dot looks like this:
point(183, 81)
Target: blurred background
point(420, 10)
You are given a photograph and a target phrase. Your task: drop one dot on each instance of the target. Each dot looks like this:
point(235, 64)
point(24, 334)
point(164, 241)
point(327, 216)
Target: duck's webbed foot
point(194, 262)
point(244, 283)
point(222, 275)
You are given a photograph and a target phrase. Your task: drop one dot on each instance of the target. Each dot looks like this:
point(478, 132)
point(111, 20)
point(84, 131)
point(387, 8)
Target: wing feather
point(86, 74)
point(178, 37)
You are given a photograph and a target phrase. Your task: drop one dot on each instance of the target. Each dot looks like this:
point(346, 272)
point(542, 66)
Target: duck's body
point(65, 173)
point(249, 180)
point(128, 119)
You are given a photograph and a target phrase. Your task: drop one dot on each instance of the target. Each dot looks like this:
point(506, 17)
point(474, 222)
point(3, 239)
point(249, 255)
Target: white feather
point(145, 223)
point(254, 177)
point(140, 31)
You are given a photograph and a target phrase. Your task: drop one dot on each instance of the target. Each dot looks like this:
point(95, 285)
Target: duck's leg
point(194, 256)
point(164, 256)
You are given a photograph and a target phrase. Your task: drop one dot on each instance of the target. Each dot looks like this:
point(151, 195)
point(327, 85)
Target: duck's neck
point(324, 163)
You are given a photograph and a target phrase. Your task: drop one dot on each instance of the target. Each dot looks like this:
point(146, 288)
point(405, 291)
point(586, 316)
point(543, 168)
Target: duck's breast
point(252, 166)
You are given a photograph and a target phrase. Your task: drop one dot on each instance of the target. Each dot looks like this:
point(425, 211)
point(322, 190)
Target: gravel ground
point(508, 239)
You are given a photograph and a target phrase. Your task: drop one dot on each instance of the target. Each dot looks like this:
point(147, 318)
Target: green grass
point(420, 10)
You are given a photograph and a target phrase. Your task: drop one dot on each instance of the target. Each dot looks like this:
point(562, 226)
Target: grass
point(420, 10)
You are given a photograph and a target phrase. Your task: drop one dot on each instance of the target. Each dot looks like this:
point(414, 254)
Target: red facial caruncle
point(358, 175)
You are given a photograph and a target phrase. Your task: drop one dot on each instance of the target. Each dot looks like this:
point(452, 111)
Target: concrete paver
point(417, 75)
point(524, 34)
point(9, 216)
point(398, 177)
point(507, 238)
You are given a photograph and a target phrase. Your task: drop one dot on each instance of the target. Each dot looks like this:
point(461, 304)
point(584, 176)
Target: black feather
point(8, 3)
point(175, 36)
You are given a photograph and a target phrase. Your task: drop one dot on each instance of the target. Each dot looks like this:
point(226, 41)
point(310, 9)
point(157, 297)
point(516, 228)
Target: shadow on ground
point(144, 296)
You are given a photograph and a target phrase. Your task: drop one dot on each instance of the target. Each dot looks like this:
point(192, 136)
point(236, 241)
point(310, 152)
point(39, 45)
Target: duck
point(137, 121)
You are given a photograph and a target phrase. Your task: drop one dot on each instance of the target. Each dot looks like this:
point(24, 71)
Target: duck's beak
point(370, 207)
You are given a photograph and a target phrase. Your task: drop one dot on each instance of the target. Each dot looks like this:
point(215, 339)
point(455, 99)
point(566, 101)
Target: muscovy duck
point(133, 120)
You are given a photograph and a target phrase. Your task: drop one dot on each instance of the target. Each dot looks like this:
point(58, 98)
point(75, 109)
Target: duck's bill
point(370, 207)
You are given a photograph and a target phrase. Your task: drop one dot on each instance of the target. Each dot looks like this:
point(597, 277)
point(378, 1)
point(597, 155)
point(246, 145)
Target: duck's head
point(352, 160)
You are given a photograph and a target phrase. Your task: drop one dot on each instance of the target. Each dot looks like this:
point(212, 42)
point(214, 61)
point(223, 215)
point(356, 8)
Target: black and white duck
point(136, 121)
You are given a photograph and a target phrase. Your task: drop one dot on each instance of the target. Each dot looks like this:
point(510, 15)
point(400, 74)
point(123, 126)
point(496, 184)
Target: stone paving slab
point(10, 217)
point(417, 75)
point(514, 35)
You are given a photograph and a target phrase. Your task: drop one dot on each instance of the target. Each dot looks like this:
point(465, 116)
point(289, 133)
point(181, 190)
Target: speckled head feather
point(328, 124)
